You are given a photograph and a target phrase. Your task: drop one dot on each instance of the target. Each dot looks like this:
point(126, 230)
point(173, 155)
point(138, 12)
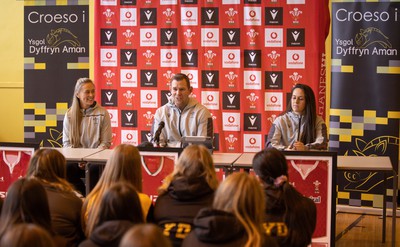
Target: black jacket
point(218, 228)
point(108, 234)
point(175, 210)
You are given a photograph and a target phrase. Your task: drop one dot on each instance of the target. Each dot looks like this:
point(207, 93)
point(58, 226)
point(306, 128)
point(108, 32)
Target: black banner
point(56, 54)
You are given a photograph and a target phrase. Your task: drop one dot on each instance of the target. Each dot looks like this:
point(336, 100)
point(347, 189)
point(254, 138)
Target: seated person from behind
point(299, 128)
point(182, 115)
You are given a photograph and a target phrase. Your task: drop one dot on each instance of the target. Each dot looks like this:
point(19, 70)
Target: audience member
point(290, 217)
point(26, 235)
point(124, 165)
point(189, 188)
point(145, 235)
point(48, 166)
point(299, 128)
point(182, 115)
point(235, 218)
point(26, 202)
point(119, 210)
point(86, 125)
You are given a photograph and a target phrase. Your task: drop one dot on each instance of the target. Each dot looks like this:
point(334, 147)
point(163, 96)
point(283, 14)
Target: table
point(380, 164)
point(78, 154)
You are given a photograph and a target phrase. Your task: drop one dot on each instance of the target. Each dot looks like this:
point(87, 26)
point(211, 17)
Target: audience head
point(145, 235)
point(26, 235)
point(124, 165)
point(49, 166)
point(120, 202)
point(26, 202)
point(269, 165)
point(195, 161)
point(241, 194)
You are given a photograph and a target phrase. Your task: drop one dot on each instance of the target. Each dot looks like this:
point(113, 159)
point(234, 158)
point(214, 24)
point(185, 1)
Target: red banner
point(243, 58)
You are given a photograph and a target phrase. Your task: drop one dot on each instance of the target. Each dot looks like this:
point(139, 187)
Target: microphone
point(157, 134)
point(298, 133)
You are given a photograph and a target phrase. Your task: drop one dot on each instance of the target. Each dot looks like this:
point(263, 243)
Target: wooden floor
point(360, 230)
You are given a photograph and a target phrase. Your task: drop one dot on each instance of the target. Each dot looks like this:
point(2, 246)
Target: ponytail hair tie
point(279, 181)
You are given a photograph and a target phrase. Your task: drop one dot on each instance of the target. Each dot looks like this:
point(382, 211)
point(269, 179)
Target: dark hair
point(310, 113)
point(180, 77)
point(120, 202)
point(145, 235)
point(270, 164)
point(49, 167)
point(26, 202)
point(27, 234)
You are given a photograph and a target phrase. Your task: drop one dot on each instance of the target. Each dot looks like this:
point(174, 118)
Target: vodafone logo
point(129, 136)
point(149, 96)
point(148, 35)
point(210, 97)
point(274, 35)
point(252, 77)
point(231, 119)
point(296, 56)
point(252, 13)
point(168, 55)
point(274, 99)
point(189, 14)
point(128, 76)
point(111, 115)
point(128, 15)
point(231, 56)
point(210, 35)
point(190, 76)
point(109, 55)
point(252, 141)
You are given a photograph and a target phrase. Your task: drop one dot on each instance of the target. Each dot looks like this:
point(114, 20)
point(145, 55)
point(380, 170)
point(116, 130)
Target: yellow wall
point(12, 72)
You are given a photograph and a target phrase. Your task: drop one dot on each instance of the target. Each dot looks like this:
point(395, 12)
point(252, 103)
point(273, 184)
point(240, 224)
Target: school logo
point(231, 37)
point(252, 122)
point(109, 97)
point(274, 16)
point(209, 16)
point(128, 57)
point(189, 58)
point(231, 100)
point(108, 37)
point(210, 79)
point(169, 36)
point(273, 79)
point(295, 37)
point(148, 17)
point(148, 78)
point(252, 58)
point(128, 118)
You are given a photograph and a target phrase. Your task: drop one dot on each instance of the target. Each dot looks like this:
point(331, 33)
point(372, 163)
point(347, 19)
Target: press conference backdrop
point(56, 54)
point(243, 58)
point(365, 102)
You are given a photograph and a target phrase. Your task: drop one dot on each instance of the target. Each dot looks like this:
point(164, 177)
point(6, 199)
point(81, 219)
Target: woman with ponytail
point(290, 217)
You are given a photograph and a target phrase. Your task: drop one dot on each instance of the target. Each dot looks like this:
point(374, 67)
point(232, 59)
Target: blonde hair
point(49, 167)
point(124, 165)
point(75, 114)
point(195, 161)
point(241, 194)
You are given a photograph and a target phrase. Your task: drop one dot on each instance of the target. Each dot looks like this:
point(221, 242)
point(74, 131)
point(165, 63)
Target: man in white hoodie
point(182, 115)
